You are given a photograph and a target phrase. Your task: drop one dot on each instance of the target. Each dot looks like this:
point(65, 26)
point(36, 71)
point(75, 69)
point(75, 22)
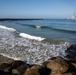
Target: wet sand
point(4, 59)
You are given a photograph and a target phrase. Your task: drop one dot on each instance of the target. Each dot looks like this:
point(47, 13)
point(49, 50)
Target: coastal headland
point(17, 19)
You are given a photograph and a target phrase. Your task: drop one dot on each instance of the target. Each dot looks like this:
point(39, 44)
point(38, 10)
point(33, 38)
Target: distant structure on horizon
point(72, 17)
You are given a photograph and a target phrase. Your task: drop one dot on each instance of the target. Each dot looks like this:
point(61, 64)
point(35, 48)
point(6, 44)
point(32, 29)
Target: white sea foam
point(7, 28)
point(10, 57)
point(38, 27)
point(31, 37)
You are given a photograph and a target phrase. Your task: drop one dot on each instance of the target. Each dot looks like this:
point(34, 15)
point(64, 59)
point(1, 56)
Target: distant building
point(72, 17)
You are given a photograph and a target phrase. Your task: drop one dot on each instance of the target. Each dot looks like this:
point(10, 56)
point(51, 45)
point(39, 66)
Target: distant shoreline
point(16, 19)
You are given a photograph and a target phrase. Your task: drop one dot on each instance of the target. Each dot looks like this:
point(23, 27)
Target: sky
point(37, 8)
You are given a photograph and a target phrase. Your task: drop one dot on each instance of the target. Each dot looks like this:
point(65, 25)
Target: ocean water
point(25, 39)
point(58, 29)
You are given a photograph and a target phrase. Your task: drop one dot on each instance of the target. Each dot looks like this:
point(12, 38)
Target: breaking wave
point(31, 37)
point(56, 29)
point(23, 34)
point(35, 26)
point(50, 28)
point(7, 28)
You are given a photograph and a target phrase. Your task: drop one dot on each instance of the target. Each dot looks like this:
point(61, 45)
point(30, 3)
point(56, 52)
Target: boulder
point(45, 63)
point(56, 73)
point(74, 64)
point(5, 67)
point(20, 70)
point(33, 71)
point(16, 64)
point(69, 73)
point(58, 65)
point(60, 73)
point(71, 52)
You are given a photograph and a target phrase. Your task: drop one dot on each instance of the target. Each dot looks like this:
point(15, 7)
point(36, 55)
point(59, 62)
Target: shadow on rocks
point(71, 52)
point(72, 66)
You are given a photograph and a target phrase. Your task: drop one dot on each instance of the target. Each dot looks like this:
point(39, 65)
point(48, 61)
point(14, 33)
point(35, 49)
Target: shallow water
point(33, 51)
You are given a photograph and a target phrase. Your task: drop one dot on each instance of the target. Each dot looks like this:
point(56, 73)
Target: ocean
point(36, 41)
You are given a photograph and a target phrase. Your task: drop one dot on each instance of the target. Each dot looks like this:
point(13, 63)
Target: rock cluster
point(56, 66)
point(71, 52)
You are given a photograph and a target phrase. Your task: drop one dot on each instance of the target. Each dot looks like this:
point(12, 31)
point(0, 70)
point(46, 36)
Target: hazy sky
point(37, 8)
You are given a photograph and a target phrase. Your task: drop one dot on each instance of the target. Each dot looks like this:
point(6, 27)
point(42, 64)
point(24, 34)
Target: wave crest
point(53, 28)
point(31, 37)
point(50, 28)
point(7, 28)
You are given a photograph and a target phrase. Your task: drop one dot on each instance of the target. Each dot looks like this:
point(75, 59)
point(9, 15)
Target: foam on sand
point(9, 56)
point(31, 37)
point(7, 28)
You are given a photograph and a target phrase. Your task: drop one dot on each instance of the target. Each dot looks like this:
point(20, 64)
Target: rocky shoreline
point(54, 66)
